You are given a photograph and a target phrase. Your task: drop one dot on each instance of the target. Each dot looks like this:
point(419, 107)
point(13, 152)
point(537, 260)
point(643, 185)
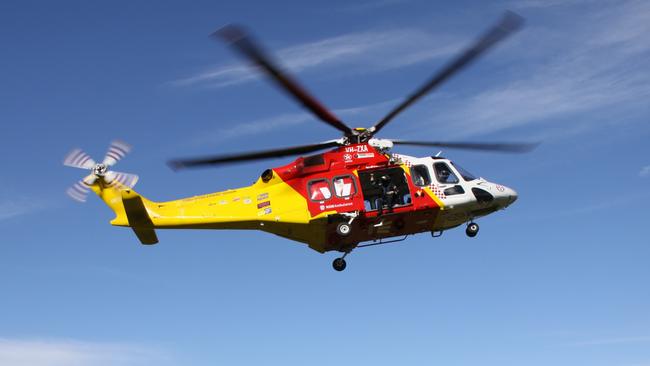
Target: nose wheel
point(472, 229)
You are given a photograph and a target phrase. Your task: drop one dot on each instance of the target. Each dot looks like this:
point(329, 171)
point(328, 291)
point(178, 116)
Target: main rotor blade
point(256, 155)
point(243, 43)
point(511, 147)
point(510, 23)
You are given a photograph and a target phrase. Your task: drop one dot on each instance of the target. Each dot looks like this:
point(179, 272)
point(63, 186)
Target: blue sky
point(559, 278)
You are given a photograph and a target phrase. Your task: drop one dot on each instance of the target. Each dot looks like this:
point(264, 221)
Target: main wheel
point(472, 229)
point(343, 229)
point(339, 264)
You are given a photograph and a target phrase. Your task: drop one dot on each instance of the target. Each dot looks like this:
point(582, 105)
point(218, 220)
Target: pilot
point(443, 174)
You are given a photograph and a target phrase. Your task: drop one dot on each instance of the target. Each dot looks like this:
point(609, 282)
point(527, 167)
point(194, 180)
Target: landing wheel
point(339, 264)
point(472, 229)
point(343, 229)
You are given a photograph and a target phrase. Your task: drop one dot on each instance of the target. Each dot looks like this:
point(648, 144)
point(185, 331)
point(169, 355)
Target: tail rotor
point(77, 158)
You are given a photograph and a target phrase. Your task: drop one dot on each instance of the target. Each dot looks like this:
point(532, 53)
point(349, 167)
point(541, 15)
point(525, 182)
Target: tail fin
point(130, 209)
point(138, 217)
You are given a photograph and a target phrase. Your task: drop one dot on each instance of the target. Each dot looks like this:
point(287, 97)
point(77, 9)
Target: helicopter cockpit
point(440, 173)
point(455, 186)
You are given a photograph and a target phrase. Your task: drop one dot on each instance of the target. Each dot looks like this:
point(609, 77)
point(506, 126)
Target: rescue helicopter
point(357, 193)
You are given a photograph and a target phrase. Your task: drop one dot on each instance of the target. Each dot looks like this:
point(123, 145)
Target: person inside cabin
point(443, 173)
point(384, 190)
point(389, 192)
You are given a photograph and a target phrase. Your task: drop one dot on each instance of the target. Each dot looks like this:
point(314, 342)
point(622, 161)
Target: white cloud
point(645, 171)
point(264, 125)
point(582, 67)
point(17, 207)
point(361, 52)
point(250, 128)
point(612, 341)
point(76, 353)
point(569, 69)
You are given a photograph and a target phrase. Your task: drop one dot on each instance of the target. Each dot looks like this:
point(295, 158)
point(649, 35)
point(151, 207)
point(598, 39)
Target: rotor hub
point(100, 170)
point(359, 135)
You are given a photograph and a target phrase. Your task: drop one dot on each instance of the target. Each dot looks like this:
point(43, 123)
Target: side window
point(444, 174)
point(344, 186)
point(454, 190)
point(420, 175)
point(319, 190)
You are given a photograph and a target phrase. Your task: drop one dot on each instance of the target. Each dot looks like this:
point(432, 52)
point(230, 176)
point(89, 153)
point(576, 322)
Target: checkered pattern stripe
point(437, 191)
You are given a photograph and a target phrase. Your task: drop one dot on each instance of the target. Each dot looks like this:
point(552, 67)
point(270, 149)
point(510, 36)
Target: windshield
point(444, 174)
point(464, 173)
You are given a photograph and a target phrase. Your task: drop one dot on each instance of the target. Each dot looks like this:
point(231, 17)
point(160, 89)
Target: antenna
point(438, 154)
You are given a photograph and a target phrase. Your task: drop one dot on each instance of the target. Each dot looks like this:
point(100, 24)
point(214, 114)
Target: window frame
point(329, 186)
point(428, 175)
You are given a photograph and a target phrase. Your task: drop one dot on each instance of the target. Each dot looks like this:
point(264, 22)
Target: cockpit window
point(420, 175)
point(464, 173)
point(444, 174)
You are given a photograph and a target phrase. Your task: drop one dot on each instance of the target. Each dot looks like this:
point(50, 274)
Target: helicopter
point(357, 193)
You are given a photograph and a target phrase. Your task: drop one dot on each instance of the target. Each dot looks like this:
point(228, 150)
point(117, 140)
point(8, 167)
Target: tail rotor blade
point(79, 159)
point(89, 179)
point(79, 191)
point(116, 151)
point(118, 178)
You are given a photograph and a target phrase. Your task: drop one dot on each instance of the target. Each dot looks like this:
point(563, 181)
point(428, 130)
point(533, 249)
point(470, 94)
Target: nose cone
point(513, 195)
point(505, 195)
